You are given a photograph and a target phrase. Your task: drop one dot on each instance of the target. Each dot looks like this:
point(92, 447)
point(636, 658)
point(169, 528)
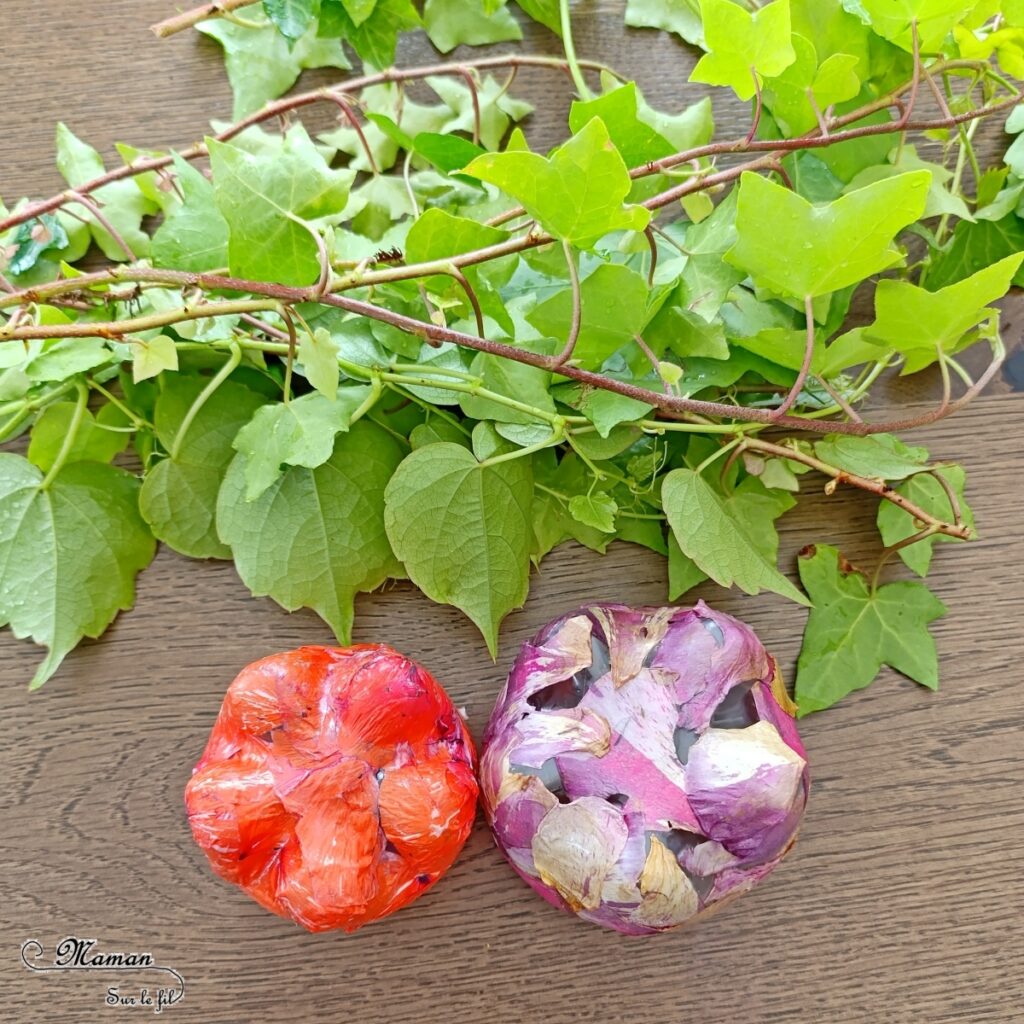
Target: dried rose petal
point(643, 764)
point(337, 785)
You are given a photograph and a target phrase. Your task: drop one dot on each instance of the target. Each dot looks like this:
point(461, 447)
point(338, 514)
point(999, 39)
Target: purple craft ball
point(642, 765)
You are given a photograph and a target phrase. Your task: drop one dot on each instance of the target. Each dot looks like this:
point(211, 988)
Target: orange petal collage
point(337, 784)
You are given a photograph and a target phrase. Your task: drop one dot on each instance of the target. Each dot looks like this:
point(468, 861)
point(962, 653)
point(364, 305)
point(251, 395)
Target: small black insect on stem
point(392, 255)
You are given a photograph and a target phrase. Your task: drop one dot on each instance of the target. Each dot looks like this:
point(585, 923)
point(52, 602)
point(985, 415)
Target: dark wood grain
point(901, 904)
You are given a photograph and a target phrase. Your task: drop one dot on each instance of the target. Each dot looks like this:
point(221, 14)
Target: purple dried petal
point(742, 783)
point(575, 847)
point(642, 764)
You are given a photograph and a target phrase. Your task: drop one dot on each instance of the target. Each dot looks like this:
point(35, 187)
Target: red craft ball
point(337, 784)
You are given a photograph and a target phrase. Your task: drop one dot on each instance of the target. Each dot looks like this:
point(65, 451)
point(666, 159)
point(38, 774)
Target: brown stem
point(471, 83)
point(653, 360)
point(672, 406)
point(274, 109)
point(577, 310)
point(954, 501)
point(758, 107)
point(293, 344)
point(104, 221)
point(471, 295)
point(188, 19)
point(654, 255)
point(841, 476)
point(840, 401)
point(805, 366)
point(350, 116)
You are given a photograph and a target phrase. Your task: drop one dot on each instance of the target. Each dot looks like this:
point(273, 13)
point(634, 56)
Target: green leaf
point(788, 95)
point(927, 493)
point(463, 531)
point(375, 37)
point(976, 246)
point(450, 23)
point(576, 194)
point(719, 543)
point(123, 205)
point(524, 383)
point(179, 495)
point(880, 457)
point(153, 356)
point(892, 20)
point(685, 333)
point(797, 248)
point(67, 357)
point(940, 201)
point(497, 108)
point(299, 433)
point(359, 10)
point(679, 16)
point(742, 44)
point(292, 17)
point(851, 632)
point(262, 64)
point(545, 12)
point(918, 322)
point(194, 235)
point(269, 202)
point(613, 311)
point(92, 443)
point(70, 553)
point(318, 354)
point(32, 239)
point(635, 139)
point(605, 409)
point(315, 538)
point(755, 507)
point(596, 510)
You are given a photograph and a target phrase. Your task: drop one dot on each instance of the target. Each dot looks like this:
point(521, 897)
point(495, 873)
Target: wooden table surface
point(902, 902)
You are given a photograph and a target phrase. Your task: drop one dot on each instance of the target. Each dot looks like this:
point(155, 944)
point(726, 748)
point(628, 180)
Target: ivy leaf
point(635, 139)
point(719, 543)
point(318, 354)
point(315, 537)
point(375, 37)
point(544, 12)
point(596, 510)
point(193, 235)
point(436, 235)
point(742, 44)
point(32, 239)
point(450, 23)
point(753, 505)
point(797, 248)
point(679, 16)
point(299, 433)
point(268, 202)
point(976, 246)
point(926, 492)
point(576, 194)
point(918, 322)
point(123, 205)
point(497, 109)
point(179, 494)
point(292, 17)
point(153, 356)
point(878, 457)
point(92, 443)
point(70, 553)
point(605, 409)
point(789, 94)
point(892, 20)
point(463, 531)
point(851, 632)
point(613, 311)
point(262, 64)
